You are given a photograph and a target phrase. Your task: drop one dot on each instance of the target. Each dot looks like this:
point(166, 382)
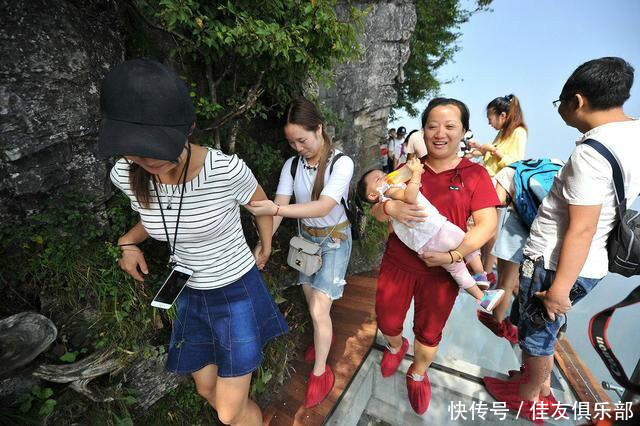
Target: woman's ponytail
point(510, 105)
point(318, 184)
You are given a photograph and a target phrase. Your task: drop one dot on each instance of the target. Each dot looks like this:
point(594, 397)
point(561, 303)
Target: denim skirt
point(511, 236)
point(226, 326)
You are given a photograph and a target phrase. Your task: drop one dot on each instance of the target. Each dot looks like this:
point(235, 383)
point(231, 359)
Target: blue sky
point(529, 48)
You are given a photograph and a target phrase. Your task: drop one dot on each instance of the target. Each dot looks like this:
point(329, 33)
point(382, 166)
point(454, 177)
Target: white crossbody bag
point(304, 255)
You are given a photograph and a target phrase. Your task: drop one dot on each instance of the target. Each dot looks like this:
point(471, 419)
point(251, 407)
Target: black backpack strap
point(598, 336)
point(618, 180)
point(333, 162)
point(294, 167)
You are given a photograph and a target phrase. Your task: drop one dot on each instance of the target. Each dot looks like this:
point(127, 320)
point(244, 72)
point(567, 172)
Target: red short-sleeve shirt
point(456, 193)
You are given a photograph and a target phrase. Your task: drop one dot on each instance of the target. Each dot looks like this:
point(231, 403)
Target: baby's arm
point(408, 195)
point(395, 194)
point(413, 186)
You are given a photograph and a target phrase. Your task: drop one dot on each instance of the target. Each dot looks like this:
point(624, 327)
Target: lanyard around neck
point(172, 247)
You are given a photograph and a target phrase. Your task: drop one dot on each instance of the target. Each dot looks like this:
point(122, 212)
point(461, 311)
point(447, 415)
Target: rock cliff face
point(53, 55)
point(363, 93)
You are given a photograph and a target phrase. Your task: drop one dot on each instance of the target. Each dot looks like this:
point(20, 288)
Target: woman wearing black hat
point(189, 196)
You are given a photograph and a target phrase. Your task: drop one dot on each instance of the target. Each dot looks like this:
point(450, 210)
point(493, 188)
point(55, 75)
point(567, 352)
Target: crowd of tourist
point(456, 222)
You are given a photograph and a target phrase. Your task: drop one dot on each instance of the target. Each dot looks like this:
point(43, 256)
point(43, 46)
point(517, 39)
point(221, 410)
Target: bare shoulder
point(198, 160)
point(199, 151)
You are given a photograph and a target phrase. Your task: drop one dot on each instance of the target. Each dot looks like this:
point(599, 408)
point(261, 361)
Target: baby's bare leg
point(475, 292)
point(476, 265)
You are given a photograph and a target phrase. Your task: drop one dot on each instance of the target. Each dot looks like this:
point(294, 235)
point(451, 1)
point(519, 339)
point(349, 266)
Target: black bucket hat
point(146, 111)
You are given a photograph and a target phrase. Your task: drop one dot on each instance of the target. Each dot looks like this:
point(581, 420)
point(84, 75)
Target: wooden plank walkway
point(581, 380)
point(354, 327)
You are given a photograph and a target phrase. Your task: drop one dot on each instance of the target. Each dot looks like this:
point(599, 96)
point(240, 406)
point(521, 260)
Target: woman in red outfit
point(459, 189)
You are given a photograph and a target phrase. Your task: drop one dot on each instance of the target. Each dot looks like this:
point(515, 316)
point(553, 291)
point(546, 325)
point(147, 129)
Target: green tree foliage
point(253, 55)
point(432, 44)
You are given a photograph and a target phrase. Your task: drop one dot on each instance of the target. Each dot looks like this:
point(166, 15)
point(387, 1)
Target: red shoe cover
point(524, 376)
point(491, 277)
point(319, 387)
point(554, 407)
point(510, 332)
point(508, 392)
point(419, 392)
point(310, 352)
point(390, 362)
point(490, 322)
point(550, 399)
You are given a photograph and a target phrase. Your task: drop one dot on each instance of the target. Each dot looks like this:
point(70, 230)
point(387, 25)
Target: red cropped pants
point(434, 293)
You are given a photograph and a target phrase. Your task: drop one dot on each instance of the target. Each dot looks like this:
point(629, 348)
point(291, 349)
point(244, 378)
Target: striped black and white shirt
point(210, 240)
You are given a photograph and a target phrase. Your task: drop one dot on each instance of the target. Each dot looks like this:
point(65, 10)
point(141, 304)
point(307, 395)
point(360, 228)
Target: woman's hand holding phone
point(132, 262)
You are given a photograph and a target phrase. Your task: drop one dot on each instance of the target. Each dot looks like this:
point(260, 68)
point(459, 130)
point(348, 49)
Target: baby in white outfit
point(434, 234)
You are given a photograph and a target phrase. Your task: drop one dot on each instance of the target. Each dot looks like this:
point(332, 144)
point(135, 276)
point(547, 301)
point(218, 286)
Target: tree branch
point(156, 27)
point(252, 97)
point(233, 137)
point(213, 84)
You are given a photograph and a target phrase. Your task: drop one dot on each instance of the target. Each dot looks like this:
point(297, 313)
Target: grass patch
point(376, 234)
point(63, 264)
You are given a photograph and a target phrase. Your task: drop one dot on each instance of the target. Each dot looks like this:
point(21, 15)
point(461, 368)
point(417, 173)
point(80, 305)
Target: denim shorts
point(335, 259)
point(537, 335)
point(226, 326)
point(511, 237)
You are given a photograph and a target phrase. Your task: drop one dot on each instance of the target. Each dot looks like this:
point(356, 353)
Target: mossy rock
point(23, 337)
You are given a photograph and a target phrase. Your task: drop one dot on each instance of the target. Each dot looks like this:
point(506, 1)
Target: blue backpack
point(533, 180)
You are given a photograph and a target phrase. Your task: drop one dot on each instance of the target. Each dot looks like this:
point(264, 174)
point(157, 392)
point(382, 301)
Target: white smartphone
point(172, 287)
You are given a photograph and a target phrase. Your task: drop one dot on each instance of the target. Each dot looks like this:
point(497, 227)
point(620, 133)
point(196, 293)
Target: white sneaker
point(490, 299)
point(482, 281)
